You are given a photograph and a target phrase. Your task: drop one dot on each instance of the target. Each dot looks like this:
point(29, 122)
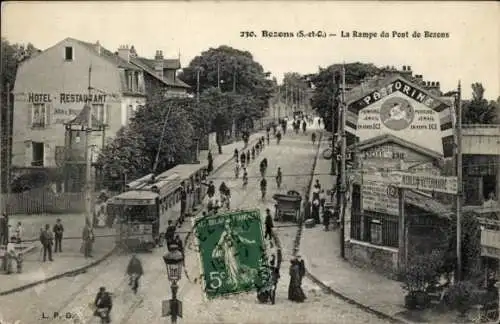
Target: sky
point(471, 52)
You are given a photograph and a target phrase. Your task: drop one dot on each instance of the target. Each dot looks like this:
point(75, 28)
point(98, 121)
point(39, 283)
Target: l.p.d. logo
point(397, 113)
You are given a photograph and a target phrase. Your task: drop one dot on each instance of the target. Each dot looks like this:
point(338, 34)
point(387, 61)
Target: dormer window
point(68, 53)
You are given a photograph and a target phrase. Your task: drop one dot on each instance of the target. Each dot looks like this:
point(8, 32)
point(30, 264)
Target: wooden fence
point(44, 200)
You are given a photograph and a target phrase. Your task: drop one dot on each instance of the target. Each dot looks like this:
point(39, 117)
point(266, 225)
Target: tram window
point(138, 213)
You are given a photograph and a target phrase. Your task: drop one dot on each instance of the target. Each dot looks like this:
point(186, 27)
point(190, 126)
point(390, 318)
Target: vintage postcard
point(253, 162)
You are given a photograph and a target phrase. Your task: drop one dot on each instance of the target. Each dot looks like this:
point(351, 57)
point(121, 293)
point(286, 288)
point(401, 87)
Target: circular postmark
point(397, 113)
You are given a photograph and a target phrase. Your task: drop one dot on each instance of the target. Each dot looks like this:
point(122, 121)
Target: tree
point(324, 99)
point(134, 149)
point(12, 55)
point(232, 70)
point(294, 85)
point(479, 110)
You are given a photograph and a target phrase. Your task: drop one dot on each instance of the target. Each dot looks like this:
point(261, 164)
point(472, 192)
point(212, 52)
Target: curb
point(60, 275)
point(327, 289)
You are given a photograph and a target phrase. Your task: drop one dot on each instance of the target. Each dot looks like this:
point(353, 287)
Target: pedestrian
point(210, 189)
point(135, 272)
point(317, 185)
point(242, 159)
point(47, 240)
point(295, 292)
point(307, 208)
point(236, 155)
point(268, 138)
point(169, 232)
point(248, 157)
point(313, 137)
point(275, 276)
point(269, 225)
point(278, 137)
point(210, 166)
point(88, 239)
point(322, 199)
point(302, 268)
point(19, 233)
point(11, 255)
point(183, 194)
point(315, 211)
point(58, 234)
point(327, 215)
point(178, 242)
point(4, 229)
point(253, 153)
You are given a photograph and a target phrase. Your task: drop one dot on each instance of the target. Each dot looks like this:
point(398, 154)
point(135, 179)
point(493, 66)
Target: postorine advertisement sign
point(402, 116)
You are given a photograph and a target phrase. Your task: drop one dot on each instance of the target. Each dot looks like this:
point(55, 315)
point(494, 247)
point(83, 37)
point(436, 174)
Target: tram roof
point(183, 170)
point(137, 194)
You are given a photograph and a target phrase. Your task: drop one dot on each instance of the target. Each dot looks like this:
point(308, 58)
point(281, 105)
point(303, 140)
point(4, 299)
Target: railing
point(480, 125)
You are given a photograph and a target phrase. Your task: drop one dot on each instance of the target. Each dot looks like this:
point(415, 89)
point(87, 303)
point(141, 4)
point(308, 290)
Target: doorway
point(489, 186)
point(38, 154)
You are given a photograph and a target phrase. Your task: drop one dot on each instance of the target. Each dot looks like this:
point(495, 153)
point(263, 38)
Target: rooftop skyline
point(470, 53)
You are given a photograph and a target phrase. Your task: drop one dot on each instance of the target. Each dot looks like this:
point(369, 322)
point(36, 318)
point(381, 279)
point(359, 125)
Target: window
point(38, 115)
point(132, 78)
point(99, 112)
point(37, 153)
point(376, 232)
point(68, 53)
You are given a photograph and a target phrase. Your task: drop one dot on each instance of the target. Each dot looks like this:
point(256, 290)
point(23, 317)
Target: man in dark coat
point(47, 240)
point(183, 194)
point(269, 225)
point(169, 233)
point(243, 158)
point(103, 300)
point(210, 166)
point(135, 272)
point(4, 229)
point(58, 234)
point(302, 268)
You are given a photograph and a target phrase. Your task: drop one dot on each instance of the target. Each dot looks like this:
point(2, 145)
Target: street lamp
point(174, 261)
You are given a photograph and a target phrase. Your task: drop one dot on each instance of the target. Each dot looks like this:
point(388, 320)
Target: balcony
point(481, 139)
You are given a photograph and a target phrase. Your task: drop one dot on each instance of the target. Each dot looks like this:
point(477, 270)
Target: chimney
point(159, 63)
point(408, 68)
point(404, 67)
point(124, 52)
point(438, 86)
point(133, 52)
point(433, 84)
point(98, 47)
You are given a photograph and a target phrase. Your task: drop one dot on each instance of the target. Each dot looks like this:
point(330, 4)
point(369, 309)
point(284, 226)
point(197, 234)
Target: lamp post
point(174, 260)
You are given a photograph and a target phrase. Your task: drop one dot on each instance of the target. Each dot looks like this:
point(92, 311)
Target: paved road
point(295, 156)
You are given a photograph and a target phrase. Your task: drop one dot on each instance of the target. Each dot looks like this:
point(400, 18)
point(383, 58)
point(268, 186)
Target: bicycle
point(477, 314)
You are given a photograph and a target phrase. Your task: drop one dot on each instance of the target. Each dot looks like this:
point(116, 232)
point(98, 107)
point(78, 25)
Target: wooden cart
point(287, 206)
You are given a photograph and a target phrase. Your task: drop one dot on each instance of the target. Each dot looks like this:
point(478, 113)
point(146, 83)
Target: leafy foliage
point(462, 295)
point(422, 271)
point(471, 244)
point(324, 99)
point(133, 151)
point(237, 72)
point(479, 110)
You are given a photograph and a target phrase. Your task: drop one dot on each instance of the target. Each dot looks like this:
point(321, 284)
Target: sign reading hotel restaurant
point(377, 194)
point(66, 98)
point(427, 182)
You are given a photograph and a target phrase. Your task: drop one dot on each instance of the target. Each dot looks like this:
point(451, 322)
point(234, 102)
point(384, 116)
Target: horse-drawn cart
point(287, 206)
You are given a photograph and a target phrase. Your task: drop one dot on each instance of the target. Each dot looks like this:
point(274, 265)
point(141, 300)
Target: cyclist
point(245, 177)
point(237, 170)
point(279, 178)
point(134, 271)
point(263, 167)
point(263, 187)
point(103, 304)
point(313, 137)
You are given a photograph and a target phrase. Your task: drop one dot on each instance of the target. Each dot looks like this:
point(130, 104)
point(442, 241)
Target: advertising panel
point(379, 193)
point(232, 252)
point(402, 116)
point(427, 182)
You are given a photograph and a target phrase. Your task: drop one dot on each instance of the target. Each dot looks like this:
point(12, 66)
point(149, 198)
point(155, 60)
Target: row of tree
point(229, 89)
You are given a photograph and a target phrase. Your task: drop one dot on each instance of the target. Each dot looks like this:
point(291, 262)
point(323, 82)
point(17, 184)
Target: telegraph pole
point(343, 165)
point(218, 74)
point(88, 161)
point(9, 152)
point(459, 180)
point(198, 85)
point(334, 154)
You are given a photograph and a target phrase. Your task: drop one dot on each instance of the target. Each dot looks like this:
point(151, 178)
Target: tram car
point(142, 212)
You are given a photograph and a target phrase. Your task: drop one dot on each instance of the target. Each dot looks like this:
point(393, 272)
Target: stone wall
point(382, 260)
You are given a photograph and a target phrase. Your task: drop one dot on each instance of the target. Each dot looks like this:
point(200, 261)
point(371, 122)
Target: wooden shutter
point(29, 112)
point(48, 112)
